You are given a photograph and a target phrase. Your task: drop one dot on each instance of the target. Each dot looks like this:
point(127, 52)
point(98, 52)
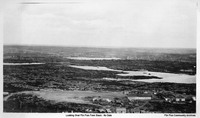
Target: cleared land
point(70, 96)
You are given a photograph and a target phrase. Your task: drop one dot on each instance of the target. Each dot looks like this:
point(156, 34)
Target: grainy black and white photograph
point(100, 56)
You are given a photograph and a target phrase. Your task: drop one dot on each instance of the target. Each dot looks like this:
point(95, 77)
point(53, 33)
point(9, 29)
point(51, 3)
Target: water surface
point(13, 64)
point(88, 58)
point(166, 77)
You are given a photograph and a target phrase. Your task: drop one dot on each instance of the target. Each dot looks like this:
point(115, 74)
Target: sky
point(101, 23)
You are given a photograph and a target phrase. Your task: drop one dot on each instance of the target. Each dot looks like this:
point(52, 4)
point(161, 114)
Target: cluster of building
point(144, 108)
point(180, 99)
point(137, 102)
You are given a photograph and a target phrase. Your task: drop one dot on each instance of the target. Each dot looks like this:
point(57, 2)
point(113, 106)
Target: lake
point(88, 58)
point(166, 77)
point(93, 68)
point(13, 64)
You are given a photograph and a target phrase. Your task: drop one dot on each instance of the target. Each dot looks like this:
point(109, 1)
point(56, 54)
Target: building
point(146, 107)
point(96, 99)
point(180, 98)
point(126, 92)
point(101, 110)
point(107, 99)
point(139, 97)
point(88, 110)
point(5, 93)
point(120, 110)
point(194, 98)
point(169, 99)
point(190, 99)
point(108, 110)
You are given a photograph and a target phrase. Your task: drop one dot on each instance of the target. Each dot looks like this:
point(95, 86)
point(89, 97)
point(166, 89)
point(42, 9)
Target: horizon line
point(85, 46)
